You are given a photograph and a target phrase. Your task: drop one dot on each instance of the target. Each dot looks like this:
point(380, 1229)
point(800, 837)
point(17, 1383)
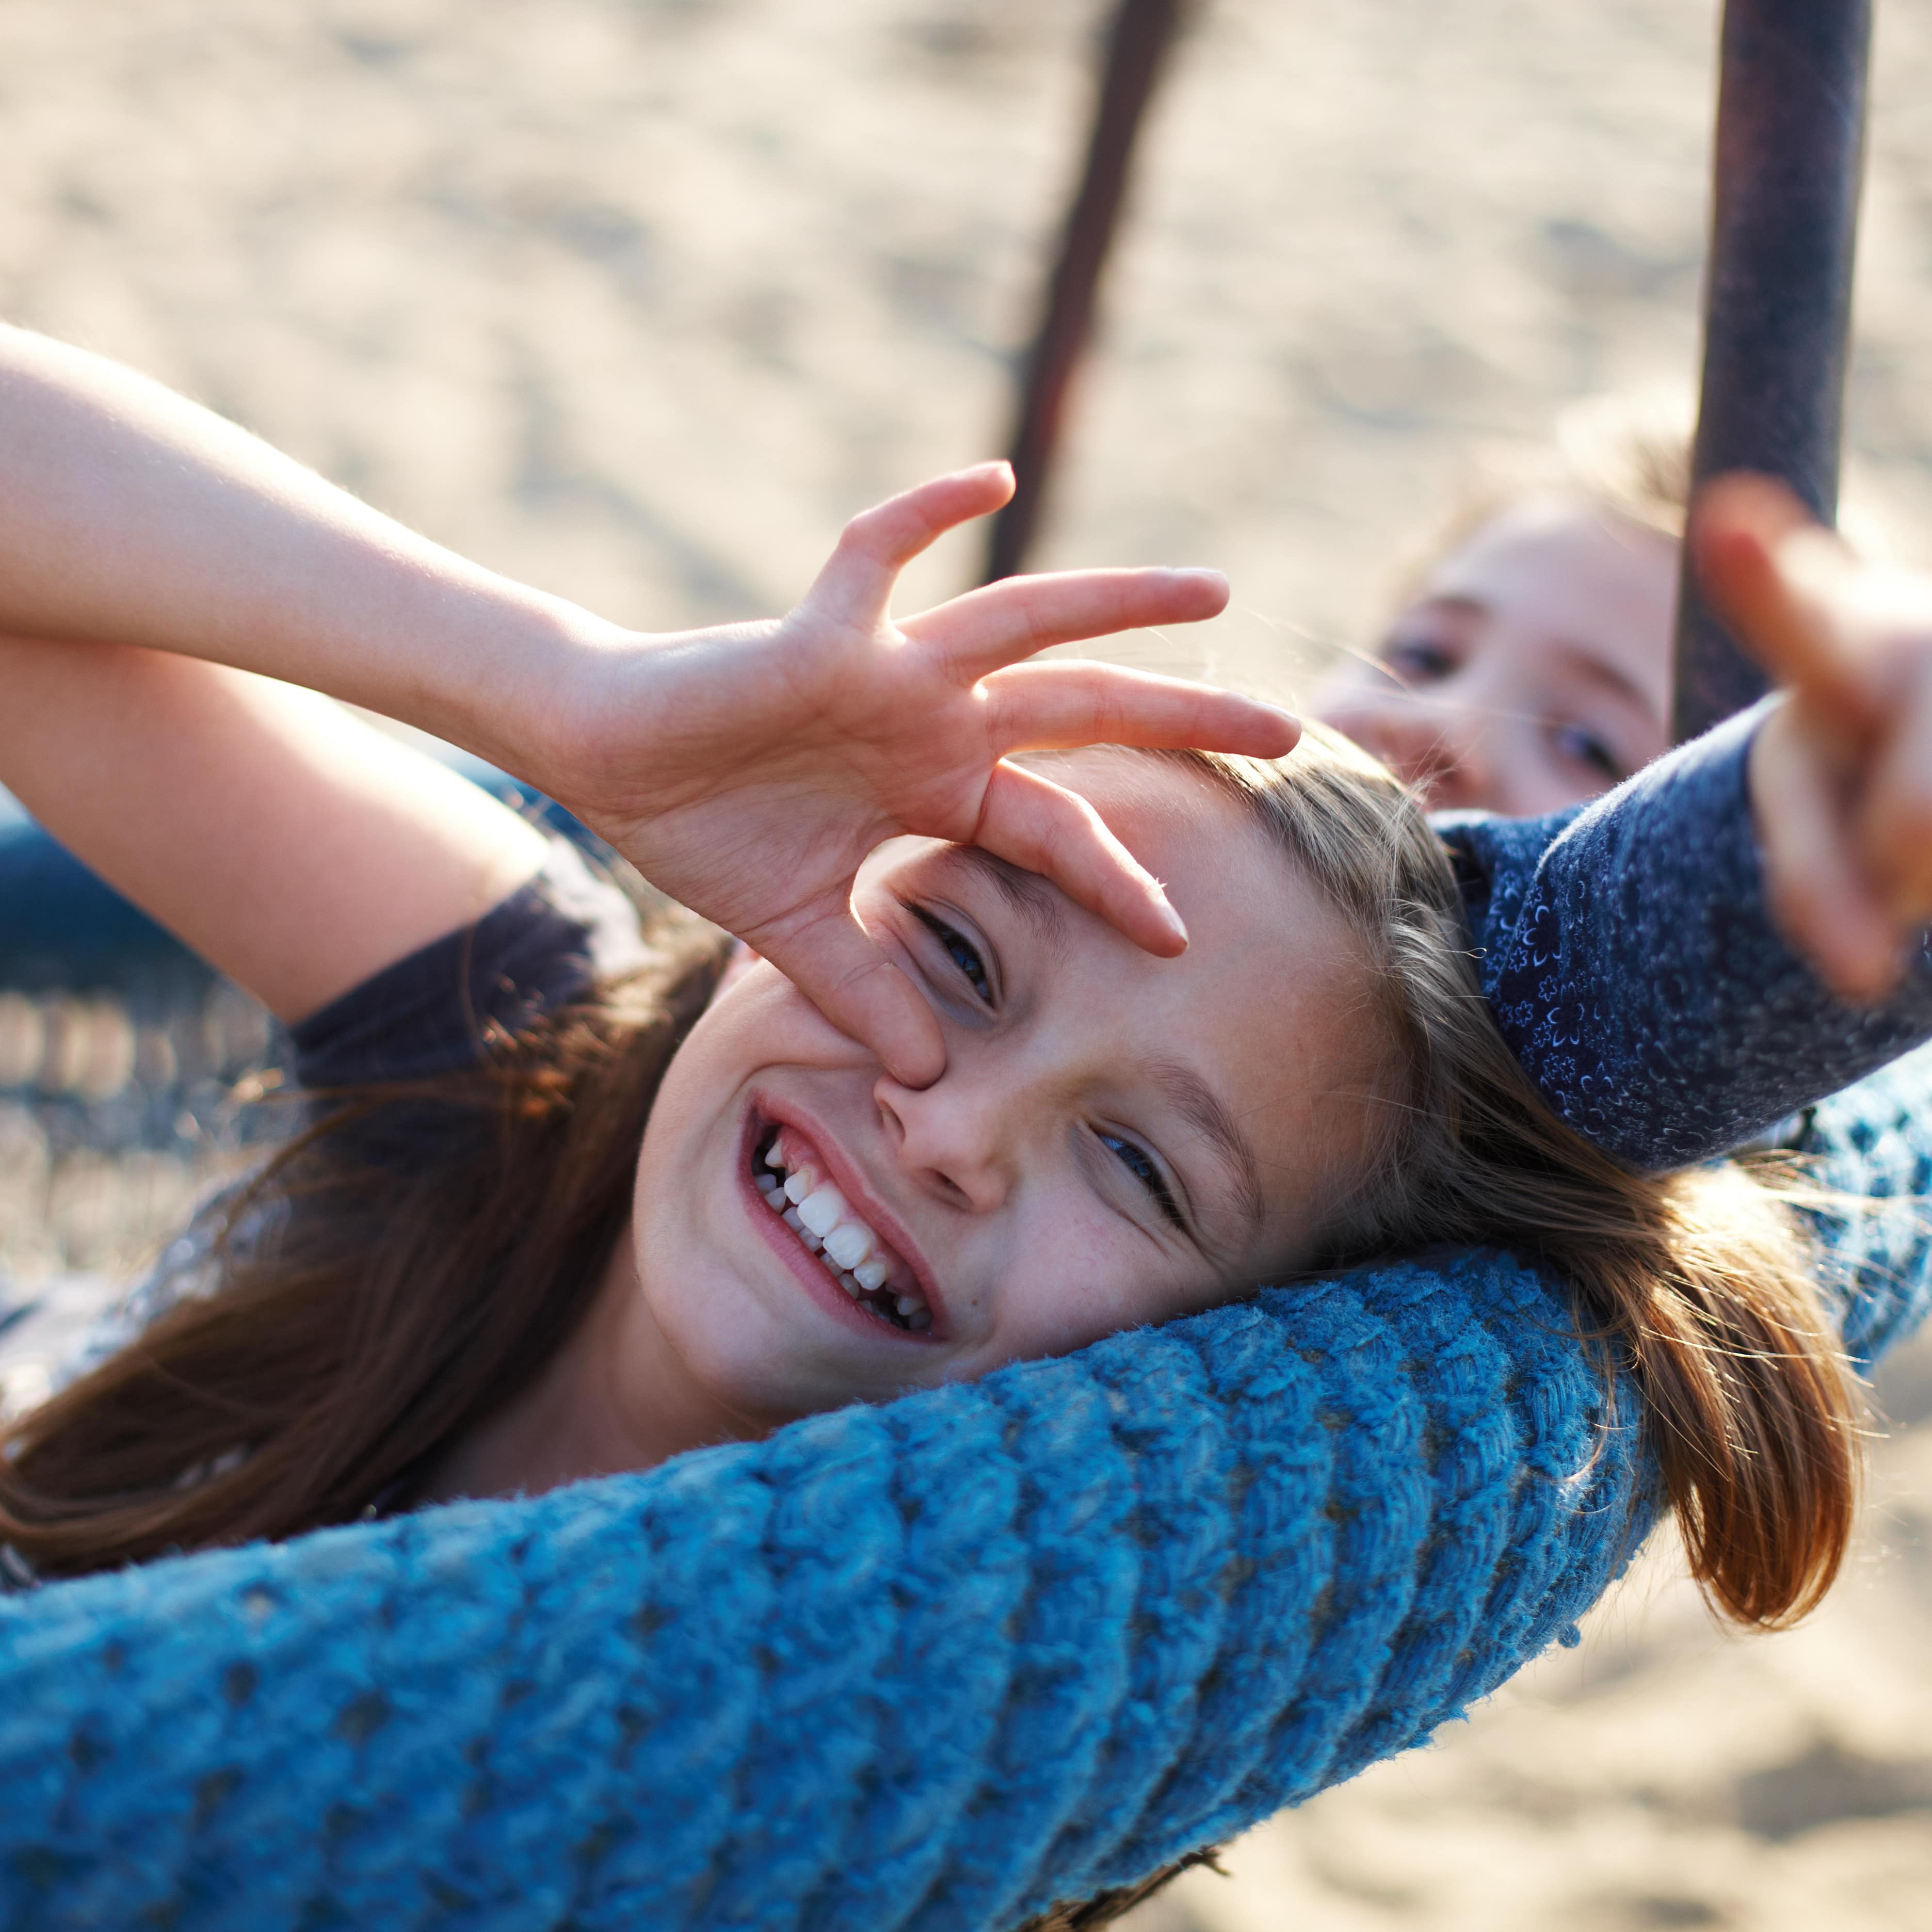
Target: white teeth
point(822, 1210)
point(848, 1244)
point(815, 1211)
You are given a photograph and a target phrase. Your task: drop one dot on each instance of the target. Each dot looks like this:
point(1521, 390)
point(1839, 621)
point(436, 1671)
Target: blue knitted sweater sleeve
point(1630, 958)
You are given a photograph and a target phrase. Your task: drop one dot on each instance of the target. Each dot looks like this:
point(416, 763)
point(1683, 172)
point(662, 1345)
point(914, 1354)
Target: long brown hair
point(404, 1300)
point(1698, 1283)
point(397, 1272)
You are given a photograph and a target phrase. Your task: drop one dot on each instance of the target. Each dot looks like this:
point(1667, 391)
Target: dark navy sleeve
point(428, 1014)
point(1628, 955)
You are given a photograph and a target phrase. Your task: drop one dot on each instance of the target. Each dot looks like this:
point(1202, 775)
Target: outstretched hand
point(1841, 774)
point(749, 771)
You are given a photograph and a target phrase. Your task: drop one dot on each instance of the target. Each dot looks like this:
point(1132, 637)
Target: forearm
point(1631, 958)
point(287, 842)
point(129, 515)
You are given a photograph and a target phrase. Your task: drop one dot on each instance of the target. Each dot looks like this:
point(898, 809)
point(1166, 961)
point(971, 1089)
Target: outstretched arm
point(129, 515)
point(747, 771)
point(1630, 956)
point(146, 547)
point(1737, 931)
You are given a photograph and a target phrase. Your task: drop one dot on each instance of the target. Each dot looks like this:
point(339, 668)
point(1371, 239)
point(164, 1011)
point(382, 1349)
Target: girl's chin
point(745, 1356)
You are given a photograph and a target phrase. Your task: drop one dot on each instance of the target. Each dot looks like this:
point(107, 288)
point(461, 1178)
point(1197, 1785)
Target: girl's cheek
point(1085, 1282)
point(757, 1018)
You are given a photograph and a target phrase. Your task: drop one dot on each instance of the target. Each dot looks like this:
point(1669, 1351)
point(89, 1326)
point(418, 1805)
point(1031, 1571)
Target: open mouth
point(792, 1185)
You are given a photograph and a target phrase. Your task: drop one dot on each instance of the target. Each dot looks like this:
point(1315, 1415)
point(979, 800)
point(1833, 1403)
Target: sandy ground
point(640, 299)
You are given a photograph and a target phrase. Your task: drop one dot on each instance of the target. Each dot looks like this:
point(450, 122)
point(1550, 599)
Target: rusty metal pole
point(1137, 46)
point(1788, 156)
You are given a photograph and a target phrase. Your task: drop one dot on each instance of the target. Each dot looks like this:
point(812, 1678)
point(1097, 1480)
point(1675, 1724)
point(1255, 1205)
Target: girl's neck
point(574, 1422)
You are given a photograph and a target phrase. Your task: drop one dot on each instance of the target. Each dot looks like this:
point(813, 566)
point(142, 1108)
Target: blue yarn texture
point(1628, 954)
point(930, 1664)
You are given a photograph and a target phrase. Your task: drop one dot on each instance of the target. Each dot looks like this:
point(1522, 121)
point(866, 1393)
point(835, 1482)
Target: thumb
point(836, 964)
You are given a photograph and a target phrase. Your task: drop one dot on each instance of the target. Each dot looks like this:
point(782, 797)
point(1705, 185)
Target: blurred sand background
point(640, 299)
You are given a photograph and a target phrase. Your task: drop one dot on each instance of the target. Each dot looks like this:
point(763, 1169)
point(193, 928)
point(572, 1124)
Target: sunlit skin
point(1010, 1182)
point(1531, 671)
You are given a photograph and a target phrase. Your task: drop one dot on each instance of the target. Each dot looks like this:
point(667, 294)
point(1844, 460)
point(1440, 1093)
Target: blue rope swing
point(933, 1665)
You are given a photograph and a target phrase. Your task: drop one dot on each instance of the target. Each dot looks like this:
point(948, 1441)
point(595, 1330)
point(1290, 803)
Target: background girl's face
point(1532, 670)
point(1116, 1138)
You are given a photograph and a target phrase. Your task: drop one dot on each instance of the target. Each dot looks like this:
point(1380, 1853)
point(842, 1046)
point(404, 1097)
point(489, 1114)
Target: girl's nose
point(953, 1138)
point(1440, 744)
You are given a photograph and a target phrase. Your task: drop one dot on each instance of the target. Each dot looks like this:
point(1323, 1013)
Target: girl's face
point(1116, 1138)
point(1533, 670)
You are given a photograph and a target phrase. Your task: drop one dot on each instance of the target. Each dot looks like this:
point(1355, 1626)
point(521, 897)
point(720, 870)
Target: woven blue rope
point(929, 1665)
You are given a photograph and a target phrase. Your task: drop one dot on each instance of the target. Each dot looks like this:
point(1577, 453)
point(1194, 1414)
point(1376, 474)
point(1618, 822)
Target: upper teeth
point(824, 1207)
point(824, 1220)
point(847, 1245)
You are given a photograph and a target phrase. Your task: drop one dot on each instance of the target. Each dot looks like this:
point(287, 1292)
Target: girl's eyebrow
point(1201, 1107)
point(1037, 901)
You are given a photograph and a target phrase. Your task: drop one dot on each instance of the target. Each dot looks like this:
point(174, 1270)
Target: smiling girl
point(574, 1198)
point(1115, 1138)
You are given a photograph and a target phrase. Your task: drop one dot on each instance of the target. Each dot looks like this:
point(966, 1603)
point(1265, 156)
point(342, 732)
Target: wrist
point(566, 715)
point(499, 669)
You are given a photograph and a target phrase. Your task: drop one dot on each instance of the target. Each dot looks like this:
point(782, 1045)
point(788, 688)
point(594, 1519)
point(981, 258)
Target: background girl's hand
point(749, 771)
point(1841, 774)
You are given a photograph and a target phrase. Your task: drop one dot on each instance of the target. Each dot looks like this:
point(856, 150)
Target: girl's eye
point(1140, 1164)
point(960, 950)
point(1585, 749)
point(1418, 660)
